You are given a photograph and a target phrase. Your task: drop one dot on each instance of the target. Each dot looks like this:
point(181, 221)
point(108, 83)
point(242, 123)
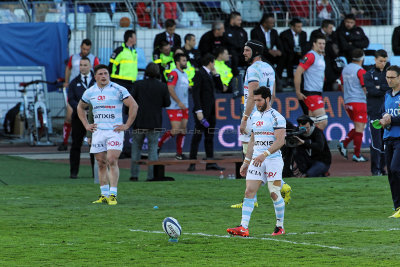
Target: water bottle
point(221, 175)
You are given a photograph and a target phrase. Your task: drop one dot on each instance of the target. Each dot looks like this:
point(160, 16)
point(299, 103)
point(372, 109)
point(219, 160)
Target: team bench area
point(159, 165)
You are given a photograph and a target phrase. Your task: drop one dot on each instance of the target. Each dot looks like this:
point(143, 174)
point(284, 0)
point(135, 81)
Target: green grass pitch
point(47, 219)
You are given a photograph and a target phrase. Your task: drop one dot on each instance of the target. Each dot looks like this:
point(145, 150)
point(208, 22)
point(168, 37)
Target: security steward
point(78, 85)
point(165, 59)
point(123, 66)
point(377, 86)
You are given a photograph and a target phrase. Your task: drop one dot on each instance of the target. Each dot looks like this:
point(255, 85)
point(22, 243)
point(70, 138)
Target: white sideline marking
point(228, 236)
point(354, 231)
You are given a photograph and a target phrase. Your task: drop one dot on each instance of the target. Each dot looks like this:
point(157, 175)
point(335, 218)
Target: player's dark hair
point(380, 53)
point(152, 70)
point(86, 42)
point(85, 58)
point(128, 34)
point(265, 17)
point(350, 16)
point(189, 37)
point(263, 91)
point(207, 59)
point(357, 53)
point(294, 21)
point(99, 67)
point(234, 14)
point(169, 23)
point(163, 43)
point(318, 36)
point(178, 56)
point(219, 50)
point(326, 22)
point(394, 68)
point(216, 25)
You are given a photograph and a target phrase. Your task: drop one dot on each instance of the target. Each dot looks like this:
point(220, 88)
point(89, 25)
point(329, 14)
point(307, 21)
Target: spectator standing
point(143, 12)
point(151, 95)
point(76, 89)
point(355, 101)
point(71, 72)
point(350, 37)
point(165, 59)
point(312, 67)
point(236, 37)
point(107, 99)
point(169, 11)
point(225, 73)
point(206, 82)
point(332, 72)
point(178, 111)
point(268, 36)
point(212, 39)
point(312, 155)
point(391, 123)
point(169, 35)
point(377, 86)
point(396, 41)
point(190, 51)
point(294, 42)
point(324, 9)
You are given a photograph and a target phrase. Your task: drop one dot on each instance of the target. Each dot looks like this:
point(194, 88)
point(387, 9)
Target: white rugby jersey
point(263, 126)
point(107, 104)
point(262, 73)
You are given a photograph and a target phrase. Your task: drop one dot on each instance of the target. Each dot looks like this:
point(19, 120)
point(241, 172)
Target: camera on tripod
point(291, 140)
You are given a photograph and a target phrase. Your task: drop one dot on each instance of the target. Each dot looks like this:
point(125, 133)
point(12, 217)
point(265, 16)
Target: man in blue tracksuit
point(391, 123)
point(377, 86)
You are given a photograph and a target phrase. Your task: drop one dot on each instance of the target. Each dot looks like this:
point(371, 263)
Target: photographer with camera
point(311, 152)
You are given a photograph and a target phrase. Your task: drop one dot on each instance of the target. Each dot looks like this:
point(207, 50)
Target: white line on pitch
point(354, 231)
point(228, 236)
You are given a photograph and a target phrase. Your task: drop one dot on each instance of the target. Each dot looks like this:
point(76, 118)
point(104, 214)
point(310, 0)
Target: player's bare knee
point(249, 193)
point(274, 190)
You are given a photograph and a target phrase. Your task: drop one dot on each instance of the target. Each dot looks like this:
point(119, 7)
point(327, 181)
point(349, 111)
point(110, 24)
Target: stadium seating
point(80, 21)
point(103, 19)
point(118, 15)
point(369, 60)
point(373, 46)
point(190, 19)
point(53, 17)
point(395, 60)
point(104, 54)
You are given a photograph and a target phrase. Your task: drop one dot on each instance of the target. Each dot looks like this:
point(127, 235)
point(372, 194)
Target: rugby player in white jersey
point(258, 74)
point(107, 99)
point(263, 163)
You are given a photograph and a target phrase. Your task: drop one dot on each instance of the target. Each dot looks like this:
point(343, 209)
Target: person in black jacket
point(236, 37)
point(377, 86)
point(75, 91)
point(332, 72)
point(312, 155)
point(350, 37)
point(206, 81)
point(169, 36)
point(212, 39)
point(294, 42)
point(151, 95)
point(190, 51)
point(268, 36)
point(396, 41)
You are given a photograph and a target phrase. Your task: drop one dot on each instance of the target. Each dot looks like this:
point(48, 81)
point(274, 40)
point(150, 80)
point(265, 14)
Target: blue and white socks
point(113, 191)
point(105, 190)
point(247, 209)
point(279, 206)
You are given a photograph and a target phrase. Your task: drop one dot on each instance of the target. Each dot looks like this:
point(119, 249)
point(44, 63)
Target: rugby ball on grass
point(171, 227)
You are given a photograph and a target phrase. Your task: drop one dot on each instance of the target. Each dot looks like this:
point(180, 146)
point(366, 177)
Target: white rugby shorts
point(103, 140)
point(246, 137)
point(270, 170)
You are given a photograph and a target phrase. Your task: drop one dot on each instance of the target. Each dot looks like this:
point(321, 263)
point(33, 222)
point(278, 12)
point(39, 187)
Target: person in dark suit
point(350, 37)
point(268, 36)
point(212, 39)
point(294, 42)
point(236, 37)
point(151, 95)
point(169, 36)
point(332, 72)
point(75, 91)
point(396, 41)
point(206, 81)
